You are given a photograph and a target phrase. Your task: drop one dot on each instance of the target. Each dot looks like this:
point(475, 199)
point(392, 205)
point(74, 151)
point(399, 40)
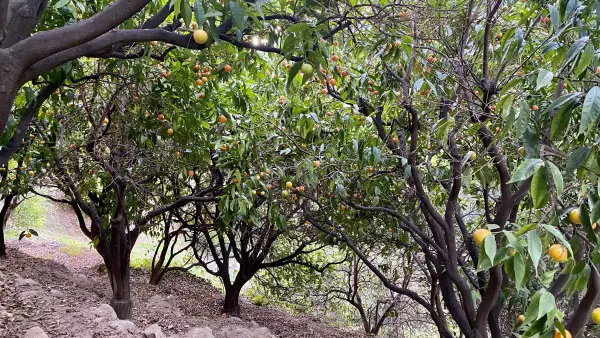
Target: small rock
point(105, 311)
point(163, 303)
point(26, 282)
point(124, 326)
point(254, 324)
point(234, 319)
point(31, 294)
point(35, 332)
point(198, 332)
point(171, 300)
point(154, 331)
point(57, 294)
point(241, 332)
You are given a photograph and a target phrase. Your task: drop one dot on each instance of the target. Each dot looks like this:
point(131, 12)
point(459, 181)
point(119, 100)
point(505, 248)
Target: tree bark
point(231, 304)
point(157, 270)
point(28, 114)
point(9, 85)
point(3, 213)
point(117, 265)
point(119, 281)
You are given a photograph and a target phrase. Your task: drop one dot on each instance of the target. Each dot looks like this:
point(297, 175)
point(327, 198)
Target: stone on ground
point(35, 332)
point(123, 326)
point(104, 311)
point(154, 331)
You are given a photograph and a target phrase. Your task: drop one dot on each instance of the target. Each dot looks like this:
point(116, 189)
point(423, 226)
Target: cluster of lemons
point(557, 252)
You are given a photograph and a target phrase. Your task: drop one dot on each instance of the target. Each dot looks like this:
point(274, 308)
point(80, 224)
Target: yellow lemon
point(558, 253)
point(575, 216)
point(200, 36)
point(557, 334)
point(480, 234)
point(596, 315)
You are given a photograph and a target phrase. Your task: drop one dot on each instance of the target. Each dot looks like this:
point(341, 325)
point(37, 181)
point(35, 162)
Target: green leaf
point(534, 247)
point(575, 159)
point(586, 224)
point(186, 12)
point(61, 3)
point(585, 59)
point(544, 78)
point(595, 213)
point(561, 100)
point(526, 228)
point(510, 85)
point(519, 268)
point(298, 27)
point(582, 279)
point(547, 303)
point(238, 15)
point(526, 169)
point(558, 235)
point(591, 110)
point(561, 119)
point(533, 308)
point(489, 244)
point(576, 48)
point(554, 17)
point(557, 177)
point(199, 12)
point(539, 188)
point(523, 119)
point(292, 74)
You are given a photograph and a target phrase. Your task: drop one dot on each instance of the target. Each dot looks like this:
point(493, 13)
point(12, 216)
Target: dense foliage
point(355, 157)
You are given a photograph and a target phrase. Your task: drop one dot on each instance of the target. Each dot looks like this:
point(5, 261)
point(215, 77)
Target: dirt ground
point(71, 286)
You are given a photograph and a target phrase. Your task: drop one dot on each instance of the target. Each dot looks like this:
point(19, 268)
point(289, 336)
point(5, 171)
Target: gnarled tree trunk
point(231, 304)
point(3, 213)
point(117, 266)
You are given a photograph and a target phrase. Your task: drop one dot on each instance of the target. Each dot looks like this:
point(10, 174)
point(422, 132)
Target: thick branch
point(32, 108)
point(46, 43)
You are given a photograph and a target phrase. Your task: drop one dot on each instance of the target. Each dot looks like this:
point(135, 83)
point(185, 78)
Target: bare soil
point(85, 285)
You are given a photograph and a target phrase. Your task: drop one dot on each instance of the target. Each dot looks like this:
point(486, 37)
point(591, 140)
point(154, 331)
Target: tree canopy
point(446, 152)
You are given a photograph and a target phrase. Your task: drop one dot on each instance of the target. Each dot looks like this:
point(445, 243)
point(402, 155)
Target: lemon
point(557, 334)
point(575, 216)
point(479, 235)
point(200, 36)
point(558, 253)
point(596, 315)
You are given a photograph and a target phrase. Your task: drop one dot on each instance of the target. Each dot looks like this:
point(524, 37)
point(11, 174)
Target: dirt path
point(63, 304)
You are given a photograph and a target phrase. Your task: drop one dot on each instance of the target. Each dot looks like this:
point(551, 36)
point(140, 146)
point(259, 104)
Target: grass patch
point(143, 263)
point(71, 250)
point(30, 214)
point(70, 245)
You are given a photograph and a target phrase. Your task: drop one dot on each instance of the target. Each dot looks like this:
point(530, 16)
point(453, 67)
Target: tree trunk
point(3, 214)
point(117, 266)
point(2, 245)
point(158, 270)
point(9, 86)
point(231, 305)
point(121, 299)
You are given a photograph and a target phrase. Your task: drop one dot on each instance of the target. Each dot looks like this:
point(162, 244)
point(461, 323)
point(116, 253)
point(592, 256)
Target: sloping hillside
point(39, 292)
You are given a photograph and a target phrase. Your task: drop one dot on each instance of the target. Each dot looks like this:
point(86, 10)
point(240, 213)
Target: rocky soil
point(43, 298)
